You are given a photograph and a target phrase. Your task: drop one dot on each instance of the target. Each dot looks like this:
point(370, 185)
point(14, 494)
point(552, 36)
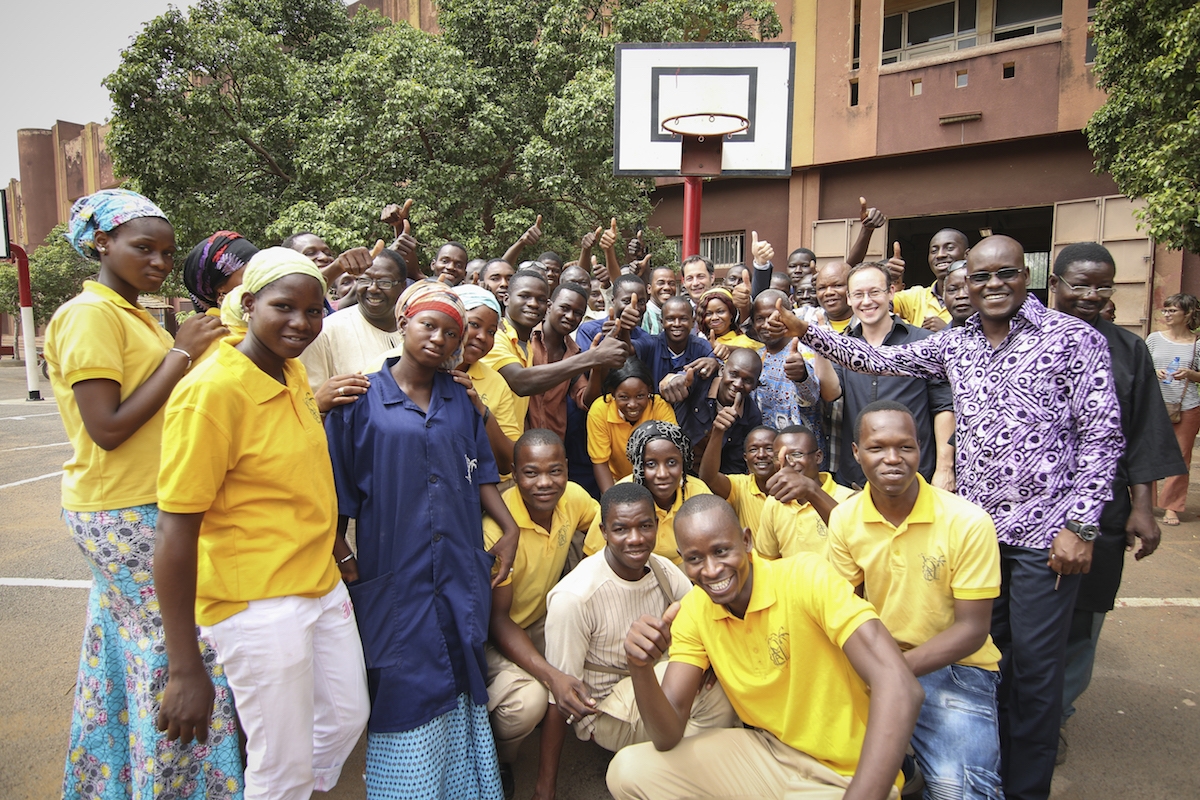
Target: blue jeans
point(957, 737)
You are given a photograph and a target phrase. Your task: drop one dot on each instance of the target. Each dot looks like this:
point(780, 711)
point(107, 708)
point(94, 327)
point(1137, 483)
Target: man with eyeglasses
point(799, 525)
point(354, 339)
point(870, 293)
point(1038, 436)
point(1082, 282)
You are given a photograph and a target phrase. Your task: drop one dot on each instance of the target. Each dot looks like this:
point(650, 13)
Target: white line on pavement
point(1158, 602)
point(31, 480)
point(31, 416)
point(55, 583)
point(35, 447)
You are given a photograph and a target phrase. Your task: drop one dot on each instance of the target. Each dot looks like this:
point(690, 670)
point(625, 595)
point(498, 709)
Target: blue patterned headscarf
point(104, 211)
point(473, 297)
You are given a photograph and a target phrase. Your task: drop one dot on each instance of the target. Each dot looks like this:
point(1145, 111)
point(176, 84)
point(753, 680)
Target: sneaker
point(1060, 757)
point(508, 781)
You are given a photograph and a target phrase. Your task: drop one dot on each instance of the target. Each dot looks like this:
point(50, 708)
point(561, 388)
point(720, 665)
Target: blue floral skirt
point(116, 751)
point(450, 757)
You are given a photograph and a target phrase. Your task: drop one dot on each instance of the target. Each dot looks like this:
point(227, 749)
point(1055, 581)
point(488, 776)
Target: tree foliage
point(56, 274)
point(273, 116)
point(1147, 134)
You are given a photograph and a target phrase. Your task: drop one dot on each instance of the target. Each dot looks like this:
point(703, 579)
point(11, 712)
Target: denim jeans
point(957, 737)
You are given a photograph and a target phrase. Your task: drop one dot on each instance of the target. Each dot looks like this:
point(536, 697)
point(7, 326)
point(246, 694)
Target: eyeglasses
point(874, 294)
point(1167, 311)
point(1007, 275)
point(382, 283)
point(1101, 291)
point(795, 457)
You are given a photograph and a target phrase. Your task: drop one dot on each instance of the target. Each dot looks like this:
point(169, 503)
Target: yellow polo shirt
point(251, 454)
point(495, 393)
point(789, 528)
point(840, 325)
point(747, 500)
point(508, 350)
point(945, 551)
point(541, 553)
point(734, 338)
point(99, 335)
point(608, 432)
point(665, 543)
point(916, 303)
point(815, 702)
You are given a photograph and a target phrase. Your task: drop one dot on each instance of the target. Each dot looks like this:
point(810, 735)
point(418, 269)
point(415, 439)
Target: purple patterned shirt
point(1038, 426)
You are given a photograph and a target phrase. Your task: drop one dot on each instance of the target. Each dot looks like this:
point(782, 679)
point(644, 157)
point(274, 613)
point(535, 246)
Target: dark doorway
point(1032, 227)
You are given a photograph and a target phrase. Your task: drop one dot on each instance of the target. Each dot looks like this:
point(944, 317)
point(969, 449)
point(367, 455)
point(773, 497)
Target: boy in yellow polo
point(799, 526)
point(804, 661)
point(930, 564)
point(746, 493)
point(549, 510)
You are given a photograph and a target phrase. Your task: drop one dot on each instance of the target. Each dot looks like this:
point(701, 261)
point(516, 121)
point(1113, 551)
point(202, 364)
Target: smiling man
point(925, 306)
point(588, 615)
point(928, 561)
point(1038, 438)
point(663, 286)
point(450, 264)
point(805, 663)
point(746, 493)
point(732, 388)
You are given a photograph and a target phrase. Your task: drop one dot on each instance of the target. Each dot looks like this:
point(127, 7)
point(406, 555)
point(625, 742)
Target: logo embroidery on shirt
point(777, 645)
point(310, 403)
point(931, 566)
point(562, 536)
point(472, 465)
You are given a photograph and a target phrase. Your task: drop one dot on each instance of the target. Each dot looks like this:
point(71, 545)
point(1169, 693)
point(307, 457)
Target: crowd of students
point(798, 532)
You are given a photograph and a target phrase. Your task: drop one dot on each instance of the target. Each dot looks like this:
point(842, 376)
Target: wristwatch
point(1087, 533)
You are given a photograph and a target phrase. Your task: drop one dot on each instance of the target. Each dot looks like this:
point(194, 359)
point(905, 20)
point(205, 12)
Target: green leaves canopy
point(1147, 134)
point(268, 117)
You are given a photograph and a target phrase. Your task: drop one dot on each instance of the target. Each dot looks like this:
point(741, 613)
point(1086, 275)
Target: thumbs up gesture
point(534, 233)
point(608, 239)
point(649, 638)
point(741, 295)
point(675, 388)
point(761, 250)
point(794, 368)
point(728, 415)
point(636, 248)
point(895, 267)
point(870, 217)
point(395, 215)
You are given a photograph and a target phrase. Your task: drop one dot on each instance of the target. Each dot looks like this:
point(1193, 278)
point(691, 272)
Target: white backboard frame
point(656, 80)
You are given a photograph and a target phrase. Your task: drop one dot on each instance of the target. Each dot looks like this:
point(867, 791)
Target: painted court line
point(35, 447)
point(54, 583)
point(1158, 602)
point(31, 416)
point(32, 480)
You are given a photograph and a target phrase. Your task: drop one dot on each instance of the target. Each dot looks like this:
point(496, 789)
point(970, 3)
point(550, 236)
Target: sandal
point(1170, 521)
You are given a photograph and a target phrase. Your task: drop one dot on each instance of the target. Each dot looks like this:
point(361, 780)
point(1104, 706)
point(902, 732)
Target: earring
point(103, 251)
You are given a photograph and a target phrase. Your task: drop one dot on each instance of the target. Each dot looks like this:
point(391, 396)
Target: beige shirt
point(347, 344)
point(588, 615)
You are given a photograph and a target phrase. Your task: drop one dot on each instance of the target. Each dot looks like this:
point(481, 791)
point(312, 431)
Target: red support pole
point(28, 332)
point(692, 188)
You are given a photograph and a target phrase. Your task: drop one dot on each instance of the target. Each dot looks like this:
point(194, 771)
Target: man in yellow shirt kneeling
point(929, 562)
point(803, 660)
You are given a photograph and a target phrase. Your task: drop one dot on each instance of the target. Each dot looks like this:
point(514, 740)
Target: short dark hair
point(1082, 251)
point(803, 251)
point(678, 298)
point(669, 269)
point(803, 430)
point(550, 255)
point(772, 296)
point(755, 430)
point(290, 242)
point(625, 494)
point(535, 437)
point(632, 368)
point(627, 279)
point(397, 261)
point(877, 406)
point(453, 243)
point(571, 287)
point(866, 266)
point(706, 504)
point(706, 262)
point(527, 273)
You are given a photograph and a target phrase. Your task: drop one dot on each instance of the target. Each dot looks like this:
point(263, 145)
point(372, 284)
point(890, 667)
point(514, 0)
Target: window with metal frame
point(1015, 18)
point(723, 249)
point(938, 28)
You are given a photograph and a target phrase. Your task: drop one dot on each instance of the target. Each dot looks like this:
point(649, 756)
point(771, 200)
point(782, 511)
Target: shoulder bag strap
point(664, 586)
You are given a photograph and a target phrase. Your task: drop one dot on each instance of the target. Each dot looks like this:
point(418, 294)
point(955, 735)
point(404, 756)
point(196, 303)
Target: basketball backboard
point(658, 82)
point(5, 250)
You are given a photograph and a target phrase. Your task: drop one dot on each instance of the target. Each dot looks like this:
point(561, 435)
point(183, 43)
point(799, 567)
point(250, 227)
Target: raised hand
point(405, 244)
point(354, 261)
point(395, 215)
point(795, 326)
point(895, 266)
point(609, 237)
point(612, 352)
point(741, 294)
point(761, 250)
point(870, 217)
point(675, 387)
point(636, 248)
point(789, 484)
point(794, 368)
point(340, 390)
point(728, 415)
point(649, 638)
point(534, 234)
point(589, 240)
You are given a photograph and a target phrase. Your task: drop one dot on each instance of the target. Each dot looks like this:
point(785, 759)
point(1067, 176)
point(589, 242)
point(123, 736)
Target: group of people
point(451, 504)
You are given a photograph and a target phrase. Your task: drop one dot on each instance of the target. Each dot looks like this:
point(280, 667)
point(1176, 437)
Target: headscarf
point(103, 211)
point(726, 297)
point(647, 432)
point(434, 296)
point(266, 267)
point(211, 262)
point(473, 297)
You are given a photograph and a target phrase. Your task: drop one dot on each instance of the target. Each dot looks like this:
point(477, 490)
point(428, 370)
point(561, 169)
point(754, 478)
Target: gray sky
point(56, 54)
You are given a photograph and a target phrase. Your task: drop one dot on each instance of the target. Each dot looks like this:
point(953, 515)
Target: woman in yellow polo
point(112, 367)
point(246, 544)
point(629, 399)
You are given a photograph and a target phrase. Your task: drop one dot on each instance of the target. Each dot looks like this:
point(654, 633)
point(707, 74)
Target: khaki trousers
point(619, 723)
point(516, 700)
point(727, 764)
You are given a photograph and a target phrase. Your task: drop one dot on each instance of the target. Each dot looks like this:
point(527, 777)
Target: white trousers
point(295, 666)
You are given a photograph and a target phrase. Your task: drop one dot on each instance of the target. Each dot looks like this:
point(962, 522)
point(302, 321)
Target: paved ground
point(1136, 735)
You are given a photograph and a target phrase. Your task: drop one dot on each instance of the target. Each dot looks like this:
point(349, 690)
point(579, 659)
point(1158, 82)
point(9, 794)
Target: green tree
point(1147, 133)
point(273, 116)
point(56, 274)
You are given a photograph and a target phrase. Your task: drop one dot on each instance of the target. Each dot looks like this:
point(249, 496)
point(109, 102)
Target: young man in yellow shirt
point(799, 526)
point(746, 493)
point(930, 564)
point(926, 305)
point(549, 510)
point(805, 662)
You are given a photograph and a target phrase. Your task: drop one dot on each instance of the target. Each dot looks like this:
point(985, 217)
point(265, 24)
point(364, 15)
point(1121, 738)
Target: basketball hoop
point(703, 136)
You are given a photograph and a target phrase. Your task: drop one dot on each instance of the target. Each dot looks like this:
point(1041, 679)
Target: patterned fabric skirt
point(450, 757)
point(116, 751)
